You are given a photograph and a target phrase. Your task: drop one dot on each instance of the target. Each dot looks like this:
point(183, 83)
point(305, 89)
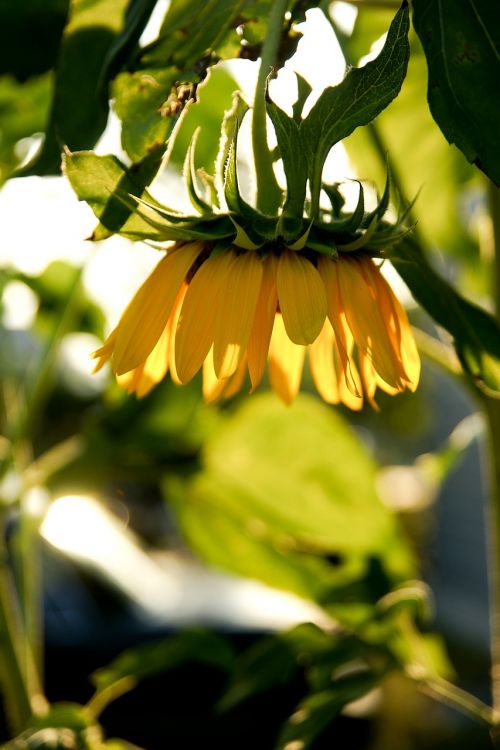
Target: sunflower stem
point(269, 194)
point(492, 409)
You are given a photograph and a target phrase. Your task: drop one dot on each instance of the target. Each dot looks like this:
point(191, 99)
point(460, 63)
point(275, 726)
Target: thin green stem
point(492, 408)
point(18, 678)
point(459, 699)
point(20, 611)
point(268, 191)
point(494, 205)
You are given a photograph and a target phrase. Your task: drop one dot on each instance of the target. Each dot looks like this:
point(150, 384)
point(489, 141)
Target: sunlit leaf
point(461, 41)
point(357, 100)
point(99, 180)
point(424, 161)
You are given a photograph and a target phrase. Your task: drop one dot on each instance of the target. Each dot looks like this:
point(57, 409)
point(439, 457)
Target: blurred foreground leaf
point(462, 46)
point(151, 659)
point(80, 104)
point(287, 496)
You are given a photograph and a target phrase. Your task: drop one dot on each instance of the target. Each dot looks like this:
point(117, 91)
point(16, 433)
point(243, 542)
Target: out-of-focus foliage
point(276, 498)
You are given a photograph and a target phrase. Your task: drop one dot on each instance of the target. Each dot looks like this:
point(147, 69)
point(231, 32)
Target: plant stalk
point(268, 191)
point(492, 409)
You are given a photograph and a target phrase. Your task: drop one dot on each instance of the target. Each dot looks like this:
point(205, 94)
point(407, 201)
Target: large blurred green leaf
point(280, 499)
point(461, 40)
point(317, 711)
point(148, 660)
point(80, 104)
point(24, 110)
point(423, 159)
point(476, 333)
point(301, 469)
point(30, 33)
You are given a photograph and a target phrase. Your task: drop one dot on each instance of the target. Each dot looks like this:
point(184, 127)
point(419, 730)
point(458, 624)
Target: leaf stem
point(269, 194)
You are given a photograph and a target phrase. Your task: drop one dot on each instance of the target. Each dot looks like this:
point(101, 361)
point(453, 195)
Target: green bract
point(119, 197)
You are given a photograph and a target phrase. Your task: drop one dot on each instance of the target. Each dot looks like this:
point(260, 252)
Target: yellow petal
point(286, 361)
point(336, 313)
point(214, 388)
point(399, 328)
point(172, 326)
point(156, 366)
point(146, 316)
point(236, 312)
point(352, 400)
point(365, 320)
point(322, 365)
point(195, 332)
point(128, 380)
point(104, 353)
point(301, 298)
point(258, 343)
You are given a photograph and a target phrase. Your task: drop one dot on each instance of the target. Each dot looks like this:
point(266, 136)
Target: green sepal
point(335, 197)
point(383, 205)
point(189, 174)
point(230, 124)
point(242, 239)
point(302, 241)
point(304, 88)
point(360, 241)
point(353, 221)
point(294, 159)
point(171, 227)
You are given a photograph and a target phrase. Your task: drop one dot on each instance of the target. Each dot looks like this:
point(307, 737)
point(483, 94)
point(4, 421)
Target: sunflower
point(229, 313)
point(239, 289)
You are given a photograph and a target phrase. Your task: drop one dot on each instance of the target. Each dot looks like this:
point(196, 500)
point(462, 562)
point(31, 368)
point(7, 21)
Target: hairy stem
point(268, 190)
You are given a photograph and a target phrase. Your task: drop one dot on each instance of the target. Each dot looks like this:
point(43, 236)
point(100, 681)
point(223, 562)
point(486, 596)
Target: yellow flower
point(233, 312)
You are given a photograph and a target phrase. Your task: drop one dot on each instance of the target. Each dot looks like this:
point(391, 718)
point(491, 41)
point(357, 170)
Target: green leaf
point(427, 165)
point(316, 712)
point(24, 110)
point(151, 659)
point(476, 333)
point(274, 661)
point(100, 179)
point(147, 103)
point(267, 451)
point(283, 488)
point(30, 33)
point(461, 41)
point(357, 100)
point(294, 159)
point(80, 104)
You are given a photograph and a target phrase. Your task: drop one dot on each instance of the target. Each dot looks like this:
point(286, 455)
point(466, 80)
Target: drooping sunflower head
point(238, 290)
